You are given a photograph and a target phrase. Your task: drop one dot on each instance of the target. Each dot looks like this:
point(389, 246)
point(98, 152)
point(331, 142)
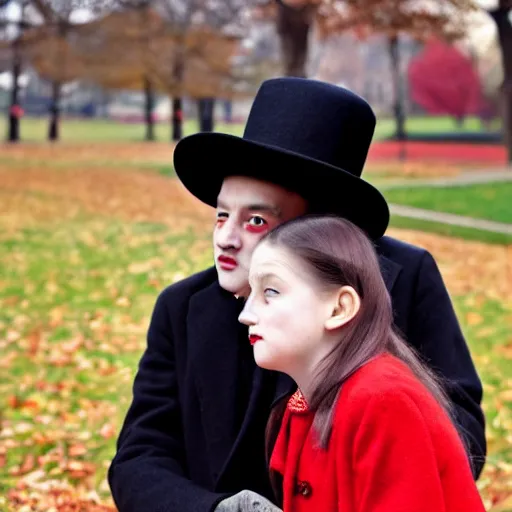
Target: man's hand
point(246, 501)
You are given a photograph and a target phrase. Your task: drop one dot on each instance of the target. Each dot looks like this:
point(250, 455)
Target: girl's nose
point(247, 317)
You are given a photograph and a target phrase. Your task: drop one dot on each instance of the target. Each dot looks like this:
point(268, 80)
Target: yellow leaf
point(473, 318)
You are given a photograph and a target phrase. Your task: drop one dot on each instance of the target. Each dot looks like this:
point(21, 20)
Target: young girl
point(369, 428)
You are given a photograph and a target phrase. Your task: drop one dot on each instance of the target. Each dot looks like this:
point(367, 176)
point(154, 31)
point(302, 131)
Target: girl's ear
point(346, 307)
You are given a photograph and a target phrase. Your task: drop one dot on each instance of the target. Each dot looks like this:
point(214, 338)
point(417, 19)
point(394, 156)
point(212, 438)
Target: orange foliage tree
point(421, 19)
point(138, 47)
point(48, 47)
point(200, 62)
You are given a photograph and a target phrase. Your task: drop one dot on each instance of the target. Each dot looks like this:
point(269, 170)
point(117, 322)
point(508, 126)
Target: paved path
point(450, 218)
point(464, 178)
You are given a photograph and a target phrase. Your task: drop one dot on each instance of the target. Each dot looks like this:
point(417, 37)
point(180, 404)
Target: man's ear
point(346, 306)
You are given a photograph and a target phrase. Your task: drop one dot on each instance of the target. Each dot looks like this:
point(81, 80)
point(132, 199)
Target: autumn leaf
point(107, 431)
point(34, 339)
point(27, 465)
point(474, 318)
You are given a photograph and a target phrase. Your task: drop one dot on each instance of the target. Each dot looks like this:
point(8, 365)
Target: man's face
point(246, 210)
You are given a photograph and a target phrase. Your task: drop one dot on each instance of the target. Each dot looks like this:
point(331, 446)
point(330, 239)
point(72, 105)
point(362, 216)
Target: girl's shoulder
point(384, 379)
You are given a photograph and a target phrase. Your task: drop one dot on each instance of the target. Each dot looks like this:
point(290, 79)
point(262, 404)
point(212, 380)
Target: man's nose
point(229, 237)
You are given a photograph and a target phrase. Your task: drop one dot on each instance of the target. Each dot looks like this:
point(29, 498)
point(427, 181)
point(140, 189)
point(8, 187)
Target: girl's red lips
point(227, 263)
point(253, 338)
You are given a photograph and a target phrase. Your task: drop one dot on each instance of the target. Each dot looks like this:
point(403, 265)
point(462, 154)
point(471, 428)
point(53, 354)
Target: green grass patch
point(491, 201)
point(106, 130)
point(449, 230)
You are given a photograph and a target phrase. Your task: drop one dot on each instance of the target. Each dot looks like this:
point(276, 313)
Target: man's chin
point(231, 285)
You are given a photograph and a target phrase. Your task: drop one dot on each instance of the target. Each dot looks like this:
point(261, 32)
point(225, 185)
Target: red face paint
point(256, 229)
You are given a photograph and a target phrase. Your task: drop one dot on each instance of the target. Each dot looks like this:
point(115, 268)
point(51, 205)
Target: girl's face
point(289, 315)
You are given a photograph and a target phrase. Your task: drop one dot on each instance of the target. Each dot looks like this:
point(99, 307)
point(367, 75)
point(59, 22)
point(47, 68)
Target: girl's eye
point(221, 216)
point(270, 292)
point(256, 224)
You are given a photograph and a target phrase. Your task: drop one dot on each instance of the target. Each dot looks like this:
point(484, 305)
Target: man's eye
point(257, 221)
point(270, 292)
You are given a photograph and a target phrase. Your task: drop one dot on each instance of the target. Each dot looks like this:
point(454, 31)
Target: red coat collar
point(297, 403)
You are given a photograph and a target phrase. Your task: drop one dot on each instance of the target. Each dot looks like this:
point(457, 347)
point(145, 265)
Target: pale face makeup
point(285, 312)
point(294, 322)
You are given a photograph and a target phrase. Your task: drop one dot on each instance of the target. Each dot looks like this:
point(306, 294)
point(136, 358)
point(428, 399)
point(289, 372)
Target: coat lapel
point(389, 270)
point(214, 340)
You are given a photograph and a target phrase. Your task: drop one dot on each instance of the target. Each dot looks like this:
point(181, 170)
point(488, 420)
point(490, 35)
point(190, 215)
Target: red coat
point(392, 449)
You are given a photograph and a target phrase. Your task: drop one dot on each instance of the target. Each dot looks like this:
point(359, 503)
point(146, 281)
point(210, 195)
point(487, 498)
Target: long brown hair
point(339, 254)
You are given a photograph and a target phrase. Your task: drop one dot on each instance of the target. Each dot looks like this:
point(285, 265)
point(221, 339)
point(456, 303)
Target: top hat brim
point(203, 160)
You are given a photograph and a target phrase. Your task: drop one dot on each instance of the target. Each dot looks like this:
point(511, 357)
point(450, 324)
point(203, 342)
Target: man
point(193, 438)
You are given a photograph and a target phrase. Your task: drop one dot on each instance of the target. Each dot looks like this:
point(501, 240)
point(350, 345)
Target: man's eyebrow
point(260, 207)
point(255, 207)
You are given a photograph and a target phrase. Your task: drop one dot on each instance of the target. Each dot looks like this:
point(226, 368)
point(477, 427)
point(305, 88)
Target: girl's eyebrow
point(262, 276)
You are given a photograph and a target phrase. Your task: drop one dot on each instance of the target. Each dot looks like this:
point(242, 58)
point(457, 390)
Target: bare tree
point(13, 30)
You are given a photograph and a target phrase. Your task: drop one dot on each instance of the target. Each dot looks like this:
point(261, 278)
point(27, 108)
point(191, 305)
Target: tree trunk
point(206, 114)
point(500, 16)
point(293, 26)
point(177, 103)
point(228, 111)
point(177, 119)
point(398, 90)
point(148, 109)
point(53, 129)
point(15, 108)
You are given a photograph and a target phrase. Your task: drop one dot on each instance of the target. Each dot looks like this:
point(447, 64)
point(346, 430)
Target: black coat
point(194, 432)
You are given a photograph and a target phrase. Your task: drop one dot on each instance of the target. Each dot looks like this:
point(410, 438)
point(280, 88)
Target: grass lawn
point(452, 231)
point(492, 201)
point(103, 130)
point(432, 124)
point(89, 236)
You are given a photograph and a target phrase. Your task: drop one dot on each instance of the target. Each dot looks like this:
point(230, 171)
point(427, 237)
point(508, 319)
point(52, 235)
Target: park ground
point(91, 229)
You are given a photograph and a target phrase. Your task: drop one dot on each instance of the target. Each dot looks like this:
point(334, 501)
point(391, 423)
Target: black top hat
point(308, 136)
